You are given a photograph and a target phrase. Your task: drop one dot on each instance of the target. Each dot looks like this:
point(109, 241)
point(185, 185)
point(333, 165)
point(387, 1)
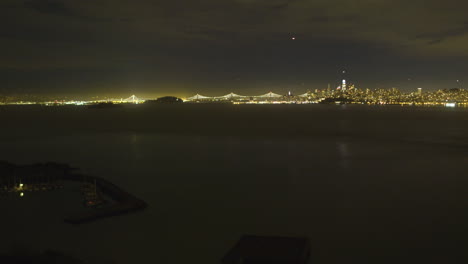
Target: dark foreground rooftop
point(278, 250)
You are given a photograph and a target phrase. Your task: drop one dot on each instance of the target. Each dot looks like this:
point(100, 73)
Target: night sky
point(213, 47)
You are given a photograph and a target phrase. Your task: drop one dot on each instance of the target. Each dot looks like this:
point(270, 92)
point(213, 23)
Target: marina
point(19, 180)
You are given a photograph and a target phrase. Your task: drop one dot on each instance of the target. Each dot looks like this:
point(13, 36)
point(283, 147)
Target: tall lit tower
point(343, 82)
point(419, 91)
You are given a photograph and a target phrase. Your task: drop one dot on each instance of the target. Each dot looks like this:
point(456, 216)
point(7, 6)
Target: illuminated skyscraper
point(343, 85)
point(419, 91)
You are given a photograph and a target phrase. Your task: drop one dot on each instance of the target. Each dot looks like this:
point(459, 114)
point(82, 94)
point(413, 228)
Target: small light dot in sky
point(293, 38)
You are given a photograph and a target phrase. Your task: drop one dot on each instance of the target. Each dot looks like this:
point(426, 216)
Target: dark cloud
point(438, 37)
point(49, 7)
point(204, 43)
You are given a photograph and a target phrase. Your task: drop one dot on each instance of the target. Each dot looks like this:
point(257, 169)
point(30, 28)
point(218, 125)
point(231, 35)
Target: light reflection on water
point(358, 198)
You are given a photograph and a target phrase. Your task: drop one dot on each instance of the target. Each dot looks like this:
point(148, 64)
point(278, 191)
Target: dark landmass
point(165, 100)
point(11, 175)
point(104, 105)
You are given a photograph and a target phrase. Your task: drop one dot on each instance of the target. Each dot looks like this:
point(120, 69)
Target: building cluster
point(347, 95)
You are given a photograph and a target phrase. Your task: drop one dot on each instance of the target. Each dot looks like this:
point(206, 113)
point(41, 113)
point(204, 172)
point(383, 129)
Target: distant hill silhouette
point(165, 100)
point(104, 105)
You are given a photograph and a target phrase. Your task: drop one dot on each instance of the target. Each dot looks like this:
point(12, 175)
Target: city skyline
point(344, 94)
point(284, 90)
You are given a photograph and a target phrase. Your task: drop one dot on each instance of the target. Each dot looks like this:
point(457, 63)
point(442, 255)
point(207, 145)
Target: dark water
point(365, 184)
